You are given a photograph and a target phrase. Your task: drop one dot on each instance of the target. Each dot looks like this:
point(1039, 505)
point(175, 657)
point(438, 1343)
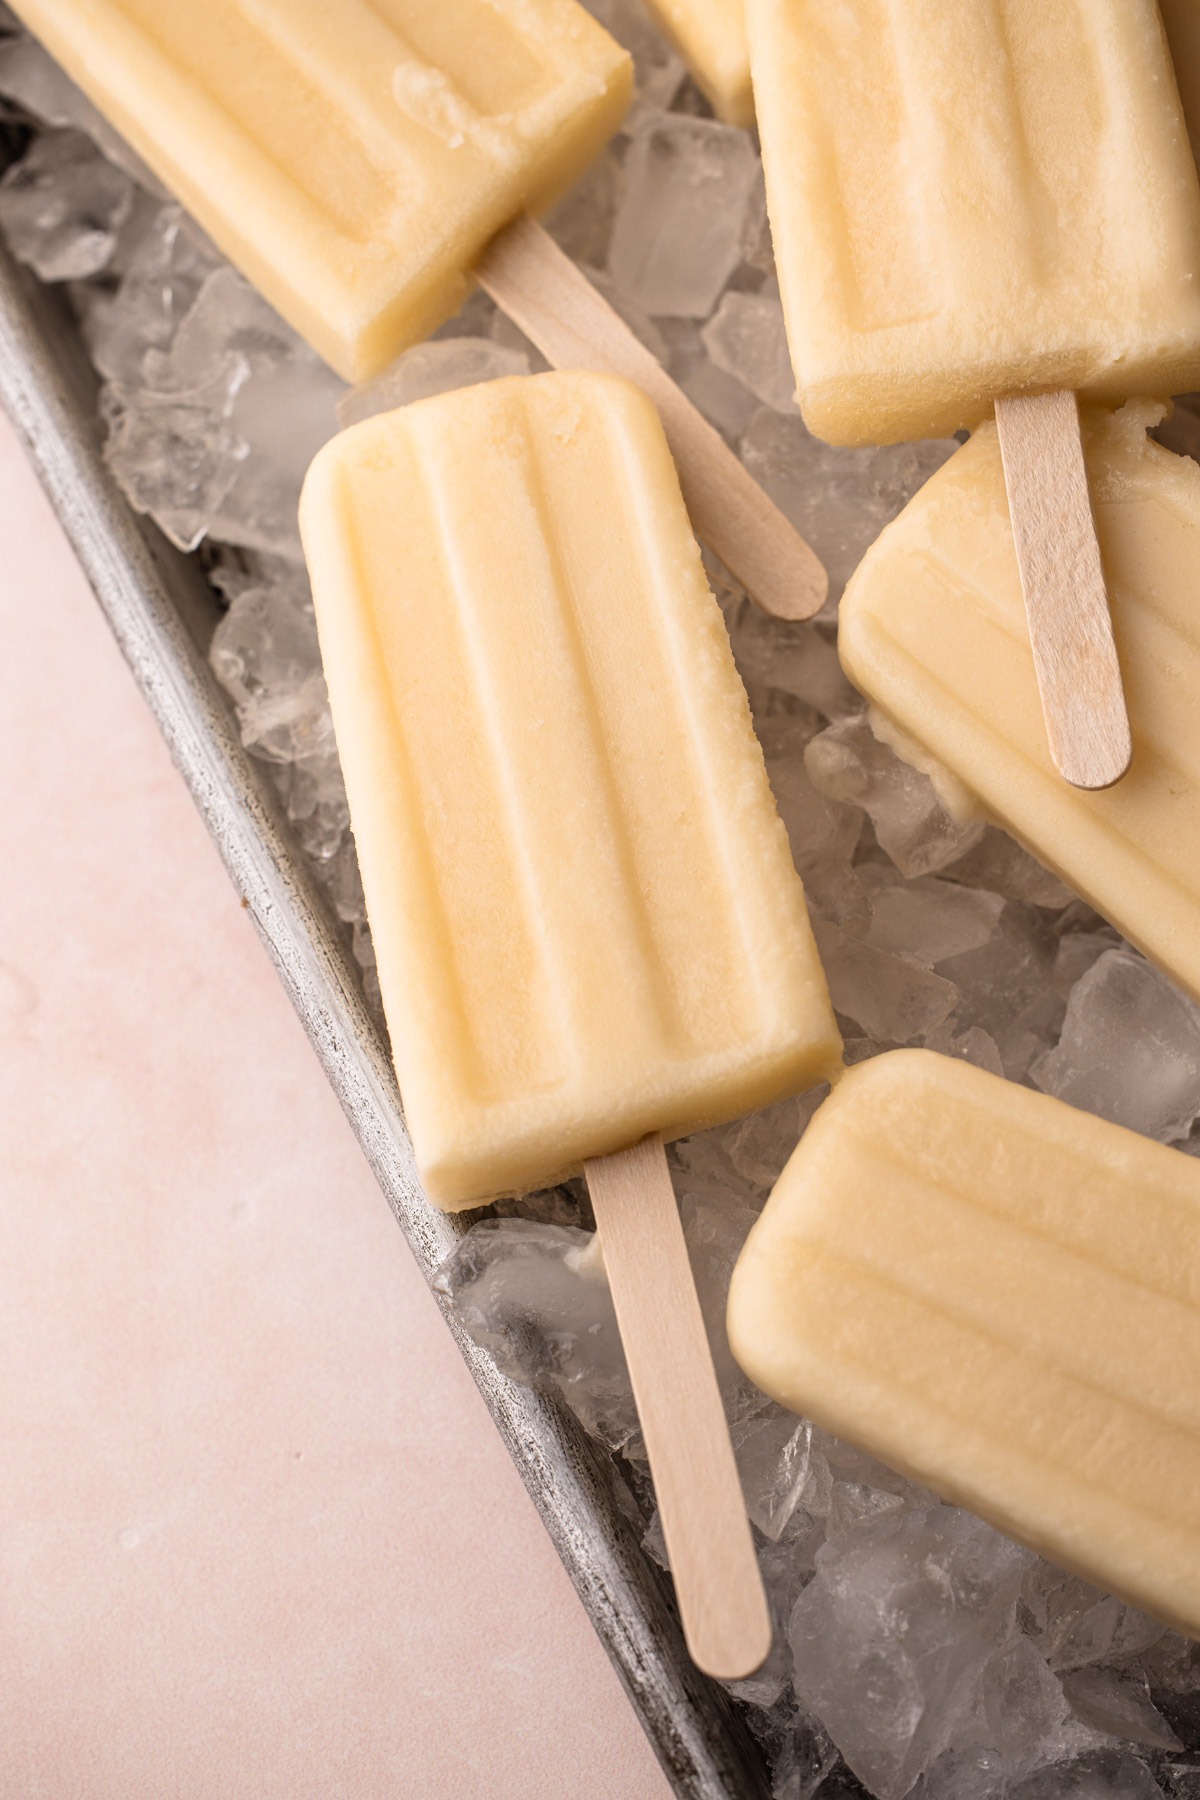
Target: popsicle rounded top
point(587, 921)
point(932, 630)
point(969, 201)
point(351, 159)
point(1000, 1296)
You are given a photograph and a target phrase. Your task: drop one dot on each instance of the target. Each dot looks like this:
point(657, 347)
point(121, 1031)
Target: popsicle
point(931, 631)
point(589, 932)
point(1000, 1296)
point(361, 162)
point(981, 208)
point(710, 35)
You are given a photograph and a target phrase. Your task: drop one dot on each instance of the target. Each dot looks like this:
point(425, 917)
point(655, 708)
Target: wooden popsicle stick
point(1062, 577)
point(717, 1581)
point(574, 327)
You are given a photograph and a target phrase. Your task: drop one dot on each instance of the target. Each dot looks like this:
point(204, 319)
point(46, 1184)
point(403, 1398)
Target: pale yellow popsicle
point(1000, 1296)
point(969, 201)
point(352, 159)
point(933, 632)
point(585, 912)
point(710, 35)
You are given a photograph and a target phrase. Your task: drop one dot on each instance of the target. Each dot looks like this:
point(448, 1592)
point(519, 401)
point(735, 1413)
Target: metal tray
point(163, 612)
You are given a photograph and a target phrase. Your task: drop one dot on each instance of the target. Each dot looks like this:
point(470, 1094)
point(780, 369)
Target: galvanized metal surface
point(162, 613)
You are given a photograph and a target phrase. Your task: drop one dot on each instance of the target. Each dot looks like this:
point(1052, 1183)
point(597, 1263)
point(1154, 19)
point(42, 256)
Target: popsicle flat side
point(960, 198)
point(1000, 1296)
point(351, 160)
point(585, 913)
point(932, 631)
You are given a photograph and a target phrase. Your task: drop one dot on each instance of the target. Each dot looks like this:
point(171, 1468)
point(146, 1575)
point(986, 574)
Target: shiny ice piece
point(972, 201)
point(352, 160)
point(999, 1296)
point(586, 917)
point(933, 631)
point(679, 233)
point(710, 35)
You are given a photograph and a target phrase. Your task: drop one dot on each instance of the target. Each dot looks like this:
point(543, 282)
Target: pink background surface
point(258, 1536)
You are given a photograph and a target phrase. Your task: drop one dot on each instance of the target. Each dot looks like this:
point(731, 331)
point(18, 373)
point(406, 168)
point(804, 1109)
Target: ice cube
point(1024, 1710)
point(343, 883)
point(1000, 863)
point(758, 251)
point(715, 1230)
point(894, 999)
point(724, 402)
point(894, 1630)
point(158, 288)
point(678, 230)
point(1017, 1722)
point(567, 1204)
point(315, 797)
point(840, 500)
point(849, 763)
point(215, 431)
point(1100, 1775)
point(822, 832)
point(581, 223)
point(931, 919)
point(1084, 1626)
point(1006, 985)
point(745, 337)
point(795, 659)
point(802, 1757)
point(1077, 952)
point(972, 1045)
point(1129, 1050)
point(62, 206)
point(265, 655)
point(759, 1145)
point(630, 309)
point(1119, 1705)
point(537, 1298)
point(772, 1453)
point(176, 456)
point(283, 407)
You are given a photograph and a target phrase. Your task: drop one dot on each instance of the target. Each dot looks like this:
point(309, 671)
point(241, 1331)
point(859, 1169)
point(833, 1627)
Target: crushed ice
point(915, 1646)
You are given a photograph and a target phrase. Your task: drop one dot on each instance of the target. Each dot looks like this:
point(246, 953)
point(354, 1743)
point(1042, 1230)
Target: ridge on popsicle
point(361, 163)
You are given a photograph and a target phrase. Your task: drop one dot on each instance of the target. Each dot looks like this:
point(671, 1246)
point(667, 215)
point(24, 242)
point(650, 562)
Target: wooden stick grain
point(1062, 576)
point(574, 327)
point(717, 1581)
